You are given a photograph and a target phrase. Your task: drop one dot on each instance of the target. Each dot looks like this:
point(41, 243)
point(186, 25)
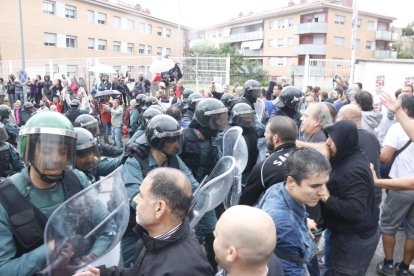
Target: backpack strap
point(71, 184)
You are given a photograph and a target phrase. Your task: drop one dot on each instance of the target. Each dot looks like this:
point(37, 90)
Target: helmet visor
point(93, 127)
point(87, 156)
point(218, 119)
point(172, 145)
point(244, 118)
point(50, 151)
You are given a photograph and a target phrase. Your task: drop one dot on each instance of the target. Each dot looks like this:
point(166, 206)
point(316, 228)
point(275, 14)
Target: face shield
point(170, 142)
point(243, 118)
point(92, 126)
point(87, 156)
point(51, 149)
point(218, 119)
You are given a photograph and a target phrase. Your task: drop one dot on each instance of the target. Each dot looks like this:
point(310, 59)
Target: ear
point(231, 255)
point(276, 139)
point(160, 208)
point(290, 182)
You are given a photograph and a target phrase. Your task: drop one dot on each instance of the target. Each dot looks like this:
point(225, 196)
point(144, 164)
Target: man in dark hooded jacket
point(349, 208)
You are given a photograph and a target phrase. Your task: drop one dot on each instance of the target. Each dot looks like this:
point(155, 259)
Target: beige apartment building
point(281, 39)
point(69, 36)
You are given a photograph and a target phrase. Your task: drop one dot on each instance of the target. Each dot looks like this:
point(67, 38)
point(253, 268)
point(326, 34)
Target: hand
point(374, 173)
point(312, 227)
point(392, 104)
point(92, 271)
point(325, 194)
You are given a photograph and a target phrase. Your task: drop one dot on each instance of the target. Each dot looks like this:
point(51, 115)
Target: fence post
point(227, 70)
point(196, 72)
point(306, 73)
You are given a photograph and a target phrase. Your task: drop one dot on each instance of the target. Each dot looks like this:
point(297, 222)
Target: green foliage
point(403, 54)
point(408, 31)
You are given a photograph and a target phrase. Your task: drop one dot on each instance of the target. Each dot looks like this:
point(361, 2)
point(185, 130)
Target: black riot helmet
point(186, 93)
point(3, 134)
point(242, 115)
point(5, 111)
point(227, 100)
point(252, 90)
point(151, 100)
point(192, 101)
point(87, 150)
point(88, 122)
point(289, 97)
point(148, 115)
point(74, 103)
point(165, 134)
point(211, 113)
point(28, 107)
point(141, 99)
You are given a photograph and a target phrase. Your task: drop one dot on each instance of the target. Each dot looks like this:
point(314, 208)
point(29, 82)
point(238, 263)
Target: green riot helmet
point(252, 90)
point(141, 99)
point(5, 111)
point(28, 107)
point(211, 113)
point(289, 97)
point(157, 107)
point(3, 134)
point(87, 150)
point(192, 101)
point(227, 100)
point(186, 93)
point(148, 115)
point(165, 134)
point(48, 144)
point(88, 122)
point(150, 101)
point(242, 115)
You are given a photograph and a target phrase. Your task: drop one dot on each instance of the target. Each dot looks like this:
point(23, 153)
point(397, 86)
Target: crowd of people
point(312, 189)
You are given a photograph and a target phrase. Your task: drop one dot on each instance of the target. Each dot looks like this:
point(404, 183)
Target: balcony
point(311, 28)
point(251, 52)
point(243, 37)
point(309, 49)
point(385, 54)
point(387, 36)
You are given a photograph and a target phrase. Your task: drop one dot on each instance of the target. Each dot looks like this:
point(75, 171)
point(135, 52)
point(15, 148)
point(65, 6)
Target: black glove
point(136, 150)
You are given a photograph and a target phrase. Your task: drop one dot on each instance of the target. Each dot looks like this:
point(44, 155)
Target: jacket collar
point(284, 147)
point(298, 209)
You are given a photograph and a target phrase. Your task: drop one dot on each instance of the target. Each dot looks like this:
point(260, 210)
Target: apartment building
point(281, 39)
point(87, 29)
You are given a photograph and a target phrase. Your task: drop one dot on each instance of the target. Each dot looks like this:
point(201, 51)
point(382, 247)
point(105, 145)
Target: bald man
point(367, 140)
point(245, 238)
point(167, 245)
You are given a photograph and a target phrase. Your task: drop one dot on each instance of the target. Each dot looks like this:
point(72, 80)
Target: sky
point(201, 13)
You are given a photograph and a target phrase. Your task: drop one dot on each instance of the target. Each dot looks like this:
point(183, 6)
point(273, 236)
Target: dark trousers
point(348, 254)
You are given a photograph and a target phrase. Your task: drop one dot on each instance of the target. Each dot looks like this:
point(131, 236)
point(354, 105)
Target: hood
point(371, 119)
point(345, 136)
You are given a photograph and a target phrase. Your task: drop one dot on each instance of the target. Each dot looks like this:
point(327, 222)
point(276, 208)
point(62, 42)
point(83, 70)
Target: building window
point(101, 45)
point(159, 51)
point(159, 31)
point(168, 33)
point(142, 27)
point(359, 22)
point(55, 69)
point(130, 24)
point(117, 68)
point(70, 41)
point(149, 50)
point(70, 11)
point(357, 43)
point(130, 69)
point(50, 39)
point(290, 22)
point(48, 7)
point(145, 28)
point(371, 25)
point(339, 41)
point(271, 43)
point(91, 43)
point(101, 18)
point(280, 42)
point(339, 19)
point(130, 48)
point(290, 41)
point(117, 46)
point(272, 24)
point(368, 45)
point(91, 16)
point(72, 70)
point(149, 29)
point(141, 49)
point(117, 21)
point(168, 52)
point(281, 24)
point(277, 61)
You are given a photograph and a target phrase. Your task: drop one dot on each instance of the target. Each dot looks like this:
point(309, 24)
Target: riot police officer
point(145, 119)
point(11, 128)
point(10, 161)
point(48, 147)
point(287, 103)
point(74, 111)
point(189, 108)
point(90, 123)
point(27, 112)
point(252, 90)
point(158, 148)
point(186, 93)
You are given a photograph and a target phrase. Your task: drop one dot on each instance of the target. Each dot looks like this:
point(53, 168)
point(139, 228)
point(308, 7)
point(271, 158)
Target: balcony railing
point(311, 28)
point(251, 52)
point(309, 49)
point(243, 37)
point(387, 36)
point(385, 54)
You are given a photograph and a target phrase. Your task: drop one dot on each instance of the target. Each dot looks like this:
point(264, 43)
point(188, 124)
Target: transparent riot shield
point(213, 190)
point(259, 108)
point(235, 145)
point(87, 227)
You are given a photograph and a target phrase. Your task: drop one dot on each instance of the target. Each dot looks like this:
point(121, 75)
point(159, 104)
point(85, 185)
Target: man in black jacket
point(280, 138)
point(167, 246)
point(349, 207)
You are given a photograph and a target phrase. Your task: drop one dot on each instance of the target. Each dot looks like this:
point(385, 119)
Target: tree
point(408, 31)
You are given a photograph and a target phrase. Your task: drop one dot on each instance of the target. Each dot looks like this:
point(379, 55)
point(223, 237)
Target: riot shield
point(214, 191)
point(87, 226)
point(235, 145)
point(259, 108)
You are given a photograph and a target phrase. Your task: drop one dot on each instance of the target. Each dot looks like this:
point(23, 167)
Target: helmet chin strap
point(48, 178)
